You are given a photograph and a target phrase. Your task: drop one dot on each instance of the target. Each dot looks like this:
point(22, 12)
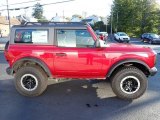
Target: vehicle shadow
point(71, 100)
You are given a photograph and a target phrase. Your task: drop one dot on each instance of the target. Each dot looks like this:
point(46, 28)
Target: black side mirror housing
point(97, 44)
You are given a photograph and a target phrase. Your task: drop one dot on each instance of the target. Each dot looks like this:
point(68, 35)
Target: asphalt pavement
point(77, 100)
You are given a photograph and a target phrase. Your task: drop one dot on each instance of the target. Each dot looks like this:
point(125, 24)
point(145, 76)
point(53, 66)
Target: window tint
point(84, 39)
point(123, 34)
point(31, 36)
point(66, 38)
point(154, 36)
point(74, 38)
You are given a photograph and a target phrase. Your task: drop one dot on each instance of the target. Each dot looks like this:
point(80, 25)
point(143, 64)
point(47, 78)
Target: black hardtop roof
point(52, 24)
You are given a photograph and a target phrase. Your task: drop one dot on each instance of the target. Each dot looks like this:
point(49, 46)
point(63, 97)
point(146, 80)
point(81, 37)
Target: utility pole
point(8, 15)
point(117, 23)
point(106, 23)
point(111, 20)
point(63, 15)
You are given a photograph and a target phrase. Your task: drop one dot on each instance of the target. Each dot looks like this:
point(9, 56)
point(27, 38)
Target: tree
point(38, 11)
point(135, 16)
point(99, 26)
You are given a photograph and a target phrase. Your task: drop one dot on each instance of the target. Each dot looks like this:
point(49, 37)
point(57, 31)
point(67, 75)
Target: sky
point(82, 7)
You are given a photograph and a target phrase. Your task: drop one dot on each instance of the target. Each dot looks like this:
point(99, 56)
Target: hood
point(127, 47)
point(124, 36)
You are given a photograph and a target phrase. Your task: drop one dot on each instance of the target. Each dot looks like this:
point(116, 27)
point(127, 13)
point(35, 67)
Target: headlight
point(154, 52)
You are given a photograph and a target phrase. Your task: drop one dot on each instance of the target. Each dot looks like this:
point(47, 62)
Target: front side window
point(74, 38)
point(31, 36)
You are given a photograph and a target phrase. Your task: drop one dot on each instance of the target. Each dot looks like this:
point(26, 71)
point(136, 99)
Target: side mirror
point(97, 44)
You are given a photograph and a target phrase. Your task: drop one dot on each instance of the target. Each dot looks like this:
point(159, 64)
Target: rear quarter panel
point(41, 52)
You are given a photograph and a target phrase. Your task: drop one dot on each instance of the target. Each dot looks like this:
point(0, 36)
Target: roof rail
point(53, 23)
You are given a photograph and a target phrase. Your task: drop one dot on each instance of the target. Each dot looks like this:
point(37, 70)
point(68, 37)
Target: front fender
point(119, 63)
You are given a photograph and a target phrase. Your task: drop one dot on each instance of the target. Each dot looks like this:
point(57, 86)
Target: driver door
point(75, 54)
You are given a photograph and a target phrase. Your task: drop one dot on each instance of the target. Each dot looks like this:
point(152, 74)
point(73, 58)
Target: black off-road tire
point(38, 73)
point(119, 40)
point(123, 73)
point(150, 42)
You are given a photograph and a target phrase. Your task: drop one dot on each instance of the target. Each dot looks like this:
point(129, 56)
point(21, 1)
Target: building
point(76, 18)
point(59, 19)
point(95, 18)
point(4, 25)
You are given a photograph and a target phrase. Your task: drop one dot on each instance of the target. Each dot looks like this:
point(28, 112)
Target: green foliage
point(135, 16)
point(99, 26)
point(38, 11)
point(43, 19)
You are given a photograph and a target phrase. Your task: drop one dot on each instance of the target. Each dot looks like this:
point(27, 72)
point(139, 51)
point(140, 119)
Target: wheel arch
point(129, 62)
point(29, 61)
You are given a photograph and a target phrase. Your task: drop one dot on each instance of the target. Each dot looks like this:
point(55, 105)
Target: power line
point(20, 3)
point(34, 5)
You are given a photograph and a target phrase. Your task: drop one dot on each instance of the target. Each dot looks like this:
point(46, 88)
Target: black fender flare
point(35, 60)
point(117, 64)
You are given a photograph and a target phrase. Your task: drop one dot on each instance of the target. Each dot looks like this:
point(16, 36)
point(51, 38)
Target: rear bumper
point(9, 71)
point(153, 71)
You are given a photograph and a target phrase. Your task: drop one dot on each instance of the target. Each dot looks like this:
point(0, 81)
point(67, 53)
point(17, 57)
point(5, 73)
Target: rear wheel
point(143, 40)
point(30, 81)
point(129, 83)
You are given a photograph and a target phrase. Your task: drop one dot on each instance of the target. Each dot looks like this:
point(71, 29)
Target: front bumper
point(153, 71)
point(156, 41)
point(124, 39)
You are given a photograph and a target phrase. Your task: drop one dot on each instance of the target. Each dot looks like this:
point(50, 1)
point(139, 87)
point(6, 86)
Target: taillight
point(6, 46)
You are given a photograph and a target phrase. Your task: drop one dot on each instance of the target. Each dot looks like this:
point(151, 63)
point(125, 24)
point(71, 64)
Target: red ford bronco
point(38, 52)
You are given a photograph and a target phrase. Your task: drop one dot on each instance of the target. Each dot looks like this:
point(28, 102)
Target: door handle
point(61, 54)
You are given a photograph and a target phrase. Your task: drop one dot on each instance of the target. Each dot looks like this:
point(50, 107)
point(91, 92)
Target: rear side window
point(31, 36)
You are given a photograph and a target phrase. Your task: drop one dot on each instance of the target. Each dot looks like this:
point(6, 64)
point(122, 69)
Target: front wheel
point(119, 40)
point(30, 81)
point(127, 41)
point(129, 83)
point(150, 42)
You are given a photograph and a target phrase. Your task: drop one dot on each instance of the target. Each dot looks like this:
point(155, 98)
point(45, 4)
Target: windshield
point(154, 36)
point(123, 34)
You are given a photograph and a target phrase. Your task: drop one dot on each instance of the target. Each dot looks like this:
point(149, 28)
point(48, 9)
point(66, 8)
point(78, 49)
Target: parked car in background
point(121, 37)
point(152, 38)
point(144, 35)
point(103, 35)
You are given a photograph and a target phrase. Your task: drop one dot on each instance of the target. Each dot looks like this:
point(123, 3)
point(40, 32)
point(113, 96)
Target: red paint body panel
point(80, 62)
point(72, 62)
